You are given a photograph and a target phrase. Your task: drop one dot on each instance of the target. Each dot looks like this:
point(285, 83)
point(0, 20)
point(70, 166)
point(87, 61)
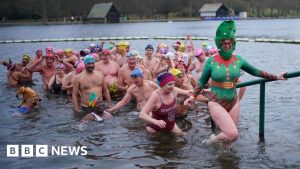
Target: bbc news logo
point(44, 150)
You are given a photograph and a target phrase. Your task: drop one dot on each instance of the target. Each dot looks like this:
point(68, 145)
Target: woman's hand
point(189, 101)
point(160, 123)
point(280, 76)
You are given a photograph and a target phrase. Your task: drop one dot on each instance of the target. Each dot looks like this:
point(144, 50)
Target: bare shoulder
point(152, 84)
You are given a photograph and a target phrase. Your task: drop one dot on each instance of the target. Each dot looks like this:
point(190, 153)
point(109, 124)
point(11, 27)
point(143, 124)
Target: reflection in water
point(228, 160)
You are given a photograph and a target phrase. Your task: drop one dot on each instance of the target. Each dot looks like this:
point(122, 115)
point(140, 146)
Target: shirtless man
point(141, 90)
point(150, 62)
point(38, 55)
point(87, 82)
point(70, 58)
point(46, 70)
point(124, 78)
point(108, 68)
point(15, 77)
point(68, 81)
point(120, 56)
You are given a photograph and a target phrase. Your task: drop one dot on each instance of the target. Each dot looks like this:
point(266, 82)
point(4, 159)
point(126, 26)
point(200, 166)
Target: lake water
point(123, 142)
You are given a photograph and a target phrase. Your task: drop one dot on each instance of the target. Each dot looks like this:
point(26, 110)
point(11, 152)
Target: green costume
point(224, 68)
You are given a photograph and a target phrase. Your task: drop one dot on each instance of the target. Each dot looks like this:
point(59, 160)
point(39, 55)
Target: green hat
point(226, 31)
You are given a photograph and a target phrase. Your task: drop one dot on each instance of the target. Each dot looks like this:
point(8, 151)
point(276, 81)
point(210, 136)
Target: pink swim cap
point(213, 50)
point(95, 55)
point(163, 50)
point(79, 66)
point(76, 53)
point(198, 52)
point(60, 51)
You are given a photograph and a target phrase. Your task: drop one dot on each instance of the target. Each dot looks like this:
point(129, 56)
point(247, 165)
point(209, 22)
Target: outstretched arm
point(122, 102)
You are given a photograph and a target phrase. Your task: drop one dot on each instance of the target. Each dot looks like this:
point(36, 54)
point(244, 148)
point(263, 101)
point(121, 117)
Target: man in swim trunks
point(121, 54)
point(141, 90)
point(87, 82)
point(97, 110)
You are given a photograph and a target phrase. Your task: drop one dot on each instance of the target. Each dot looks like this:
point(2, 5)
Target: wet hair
point(98, 108)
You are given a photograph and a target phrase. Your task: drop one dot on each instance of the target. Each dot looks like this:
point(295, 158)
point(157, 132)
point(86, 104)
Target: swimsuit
point(224, 74)
point(56, 87)
point(23, 109)
point(165, 113)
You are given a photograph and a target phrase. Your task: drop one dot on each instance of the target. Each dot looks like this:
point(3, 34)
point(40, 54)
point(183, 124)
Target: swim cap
point(137, 72)
point(181, 63)
point(149, 47)
point(176, 72)
point(50, 55)
point(79, 66)
point(49, 49)
point(132, 53)
point(60, 51)
point(163, 50)
point(169, 55)
point(68, 50)
point(198, 52)
point(88, 59)
point(106, 52)
point(92, 99)
point(76, 53)
point(213, 50)
point(60, 66)
point(181, 48)
point(165, 78)
point(88, 51)
point(26, 56)
point(95, 55)
point(163, 45)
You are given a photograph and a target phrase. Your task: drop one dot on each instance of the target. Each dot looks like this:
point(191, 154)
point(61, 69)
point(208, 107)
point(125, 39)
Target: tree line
point(52, 10)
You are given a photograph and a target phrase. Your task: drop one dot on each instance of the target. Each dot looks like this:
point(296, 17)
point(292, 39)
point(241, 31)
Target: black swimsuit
point(56, 86)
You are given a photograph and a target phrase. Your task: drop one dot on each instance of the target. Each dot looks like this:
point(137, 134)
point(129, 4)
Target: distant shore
point(31, 22)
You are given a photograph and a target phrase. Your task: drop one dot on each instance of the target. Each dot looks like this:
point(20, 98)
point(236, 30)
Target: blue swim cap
point(149, 47)
point(88, 59)
point(137, 73)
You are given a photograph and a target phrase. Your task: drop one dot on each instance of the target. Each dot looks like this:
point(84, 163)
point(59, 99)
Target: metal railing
point(262, 83)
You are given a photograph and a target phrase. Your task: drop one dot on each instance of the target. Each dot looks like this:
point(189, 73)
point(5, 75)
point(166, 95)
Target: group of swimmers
point(164, 80)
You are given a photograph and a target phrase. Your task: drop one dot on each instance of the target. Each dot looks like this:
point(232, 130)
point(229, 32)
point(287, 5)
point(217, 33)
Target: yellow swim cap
point(26, 56)
point(176, 72)
point(68, 50)
point(181, 48)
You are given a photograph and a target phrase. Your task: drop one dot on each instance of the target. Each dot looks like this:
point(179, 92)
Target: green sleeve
point(254, 71)
point(206, 73)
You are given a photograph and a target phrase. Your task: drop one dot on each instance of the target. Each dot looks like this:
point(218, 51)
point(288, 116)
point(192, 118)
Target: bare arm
point(122, 102)
point(183, 92)
point(75, 95)
point(106, 93)
point(36, 66)
point(24, 74)
point(66, 82)
point(51, 81)
point(191, 68)
point(120, 81)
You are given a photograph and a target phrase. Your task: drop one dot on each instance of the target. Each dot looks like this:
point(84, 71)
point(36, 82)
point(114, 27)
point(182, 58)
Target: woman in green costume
point(224, 70)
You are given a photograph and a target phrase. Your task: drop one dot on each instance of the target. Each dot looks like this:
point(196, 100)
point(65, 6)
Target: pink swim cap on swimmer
point(163, 50)
point(198, 52)
point(79, 66)
point(213, 50)
point(76, 53)
point(95, 55)
point(60, 51)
